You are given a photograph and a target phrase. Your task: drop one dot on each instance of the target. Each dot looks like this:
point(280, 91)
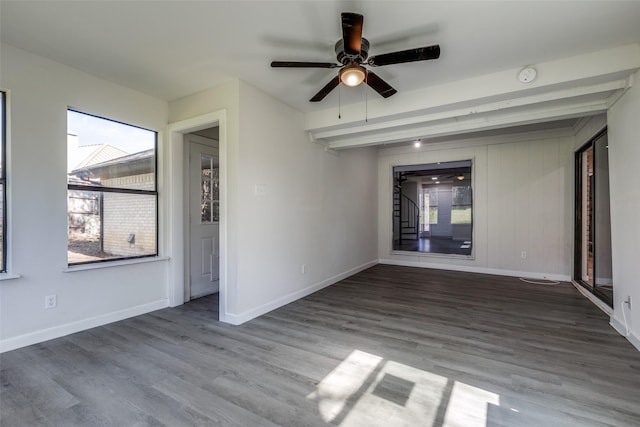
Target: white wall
point(522, 188)
point(624, 154)
point(319, 209)
point(39, 93)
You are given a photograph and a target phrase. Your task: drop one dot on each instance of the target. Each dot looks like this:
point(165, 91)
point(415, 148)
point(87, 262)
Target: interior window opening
point(432, 208)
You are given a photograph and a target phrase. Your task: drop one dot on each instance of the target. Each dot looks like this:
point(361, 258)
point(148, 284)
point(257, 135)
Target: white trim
point(80, 325)
point(476, 269)
point(615, 96)
point(8, 276)
point(388, 207)
point(114, 263)
point(8, 188)
point(197, 123)
point(176, 205)
point(433, 255)
point(238, 319)
point(620, 328)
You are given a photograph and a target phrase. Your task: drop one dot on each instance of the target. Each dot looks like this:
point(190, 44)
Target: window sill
point(117, 263)
point(8, 276)
point(432, 255)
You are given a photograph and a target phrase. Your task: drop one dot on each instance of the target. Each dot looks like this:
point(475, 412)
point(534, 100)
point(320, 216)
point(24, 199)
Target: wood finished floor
point(390, 346)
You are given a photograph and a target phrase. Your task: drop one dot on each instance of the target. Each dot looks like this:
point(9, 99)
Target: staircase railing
point(406, 215)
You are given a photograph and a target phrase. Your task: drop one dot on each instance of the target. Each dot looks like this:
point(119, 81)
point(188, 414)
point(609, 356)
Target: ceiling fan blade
point(409, 55)
point(352, 32)
point(326, 89)
point(297, 64)
point(379, 85)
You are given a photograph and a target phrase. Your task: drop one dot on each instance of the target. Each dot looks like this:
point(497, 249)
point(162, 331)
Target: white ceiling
point(170, 49)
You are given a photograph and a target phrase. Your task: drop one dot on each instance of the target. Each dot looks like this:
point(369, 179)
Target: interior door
point(203, 219)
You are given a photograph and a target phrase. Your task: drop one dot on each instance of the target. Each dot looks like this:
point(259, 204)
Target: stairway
point(406, 215)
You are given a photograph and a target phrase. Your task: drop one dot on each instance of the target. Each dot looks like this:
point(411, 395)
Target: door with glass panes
point(203, 219)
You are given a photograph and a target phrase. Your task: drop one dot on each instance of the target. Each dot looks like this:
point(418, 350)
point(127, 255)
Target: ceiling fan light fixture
point(352, 75)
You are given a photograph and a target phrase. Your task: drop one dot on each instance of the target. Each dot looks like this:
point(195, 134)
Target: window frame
point(3, 177)
point(117, 190)
point(424, 175)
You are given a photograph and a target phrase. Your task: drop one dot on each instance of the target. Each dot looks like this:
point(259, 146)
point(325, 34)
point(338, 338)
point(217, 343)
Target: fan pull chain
point(339, 98)
point(366, 97)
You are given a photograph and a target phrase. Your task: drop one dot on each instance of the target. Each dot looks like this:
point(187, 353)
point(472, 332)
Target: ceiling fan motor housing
point(344, 58)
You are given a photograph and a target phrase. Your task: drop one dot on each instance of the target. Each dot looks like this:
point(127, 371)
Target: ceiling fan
point(352, 52)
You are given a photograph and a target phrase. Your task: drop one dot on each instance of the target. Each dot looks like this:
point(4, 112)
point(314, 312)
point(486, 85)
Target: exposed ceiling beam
point(571, 87)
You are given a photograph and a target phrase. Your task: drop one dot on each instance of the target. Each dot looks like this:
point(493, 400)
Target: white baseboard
point(475, 269)
point(80, 325)
point(621, 329)
point(239, 319)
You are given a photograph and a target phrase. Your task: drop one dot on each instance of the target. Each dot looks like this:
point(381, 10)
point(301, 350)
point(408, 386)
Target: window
point(3, 185)
point(112, 200)
point(209, 189)
point(461, 204)
point(432, 208)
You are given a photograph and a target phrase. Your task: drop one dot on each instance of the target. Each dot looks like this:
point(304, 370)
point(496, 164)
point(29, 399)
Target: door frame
point(578, 220)
point(175, 204)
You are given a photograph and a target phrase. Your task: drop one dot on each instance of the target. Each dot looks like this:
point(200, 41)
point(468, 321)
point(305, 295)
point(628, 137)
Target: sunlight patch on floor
point(365, 389)
point(343, 382)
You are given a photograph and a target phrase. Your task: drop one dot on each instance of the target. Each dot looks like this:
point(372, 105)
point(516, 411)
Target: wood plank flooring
point(390, 346)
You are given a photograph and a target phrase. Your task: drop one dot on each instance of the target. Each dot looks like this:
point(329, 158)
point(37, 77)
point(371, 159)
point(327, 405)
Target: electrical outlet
point(260, 190)
point(50, 301)
point(303, 269)
point(523, 254)
point(628, 301)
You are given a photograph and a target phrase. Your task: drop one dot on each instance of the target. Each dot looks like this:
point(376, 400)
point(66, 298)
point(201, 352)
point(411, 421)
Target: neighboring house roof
point(127, 165)
point(97, 153)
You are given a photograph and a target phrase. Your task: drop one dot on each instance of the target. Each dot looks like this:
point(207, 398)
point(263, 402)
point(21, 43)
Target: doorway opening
point(202, 238)
point(592, 256)
point(178, 241)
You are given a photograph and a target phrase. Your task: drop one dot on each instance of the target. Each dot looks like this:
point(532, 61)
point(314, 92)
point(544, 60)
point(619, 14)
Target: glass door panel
point(593, 219)
point(603, 277)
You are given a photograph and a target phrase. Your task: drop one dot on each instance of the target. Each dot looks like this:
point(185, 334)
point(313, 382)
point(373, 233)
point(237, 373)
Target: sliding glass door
point(592, 266)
